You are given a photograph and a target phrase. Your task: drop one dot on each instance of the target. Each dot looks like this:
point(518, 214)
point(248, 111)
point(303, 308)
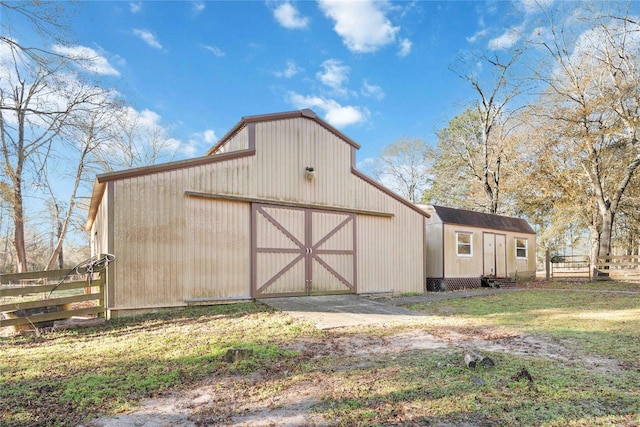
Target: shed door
point(501, 255)
point(298, 251)
point(494, 255)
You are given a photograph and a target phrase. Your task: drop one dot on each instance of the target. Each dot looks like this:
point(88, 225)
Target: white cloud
point(289, 17)
point(150, 122)
point(367, 165)
point(334, 75)
point(362, 25)
point(478, 35)
point(135, 6)
point(597, 46)
point(198, 6)
point(373, 91)
point(88, 59)
point(14, 64)
point(215, 50)
point(150, 141)
point(209, 136)
point(190, 149)
point(405, 47)
point(291, 70)
point(507, 40)
point(335, 114)
point(148, 38)
point(198, 143)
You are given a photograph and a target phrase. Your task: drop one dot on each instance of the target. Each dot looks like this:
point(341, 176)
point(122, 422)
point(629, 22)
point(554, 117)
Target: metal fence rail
point(570, 266)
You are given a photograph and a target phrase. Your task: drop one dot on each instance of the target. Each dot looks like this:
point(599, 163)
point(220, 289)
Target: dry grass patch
point(580, 351)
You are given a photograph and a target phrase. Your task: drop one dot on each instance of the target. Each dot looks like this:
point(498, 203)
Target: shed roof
point(482, 220)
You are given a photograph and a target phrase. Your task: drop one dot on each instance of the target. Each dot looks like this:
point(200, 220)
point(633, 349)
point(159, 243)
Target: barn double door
point(300, 251)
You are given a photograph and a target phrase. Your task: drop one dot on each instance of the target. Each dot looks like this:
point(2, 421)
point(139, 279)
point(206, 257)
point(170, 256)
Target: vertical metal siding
point(240, 141)
point(217, 249)
point(99, 229)
point(390, 253)
point(171, 247)
point(434, 243)
point(285, 148)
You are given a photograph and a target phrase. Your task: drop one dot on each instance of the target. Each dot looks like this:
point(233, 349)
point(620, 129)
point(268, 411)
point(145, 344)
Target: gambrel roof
point(217, 154)
point(260, 118)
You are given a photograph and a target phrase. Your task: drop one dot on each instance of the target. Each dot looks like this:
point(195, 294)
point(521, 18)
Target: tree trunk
point(18, 232)
point(63, 225)
point(604, 246)
point(595, 250)
point(57, 254)
point(605, 236)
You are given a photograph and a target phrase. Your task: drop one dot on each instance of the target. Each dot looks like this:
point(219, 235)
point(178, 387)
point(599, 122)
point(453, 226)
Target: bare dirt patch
point(282, 399)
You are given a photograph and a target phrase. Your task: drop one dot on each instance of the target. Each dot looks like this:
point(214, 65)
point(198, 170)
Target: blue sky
point(378, 71)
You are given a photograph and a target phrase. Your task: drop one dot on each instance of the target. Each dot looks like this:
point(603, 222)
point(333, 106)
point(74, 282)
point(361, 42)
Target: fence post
point(102, 282)
point(547, 264)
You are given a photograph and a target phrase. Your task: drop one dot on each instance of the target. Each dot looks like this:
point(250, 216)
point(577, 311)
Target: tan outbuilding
point(276, 208)
point(469, 249)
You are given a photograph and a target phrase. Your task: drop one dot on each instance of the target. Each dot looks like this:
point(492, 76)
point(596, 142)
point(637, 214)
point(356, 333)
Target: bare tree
point(43, 107)
point(137, 139)
point(5, 232)
point(590, 112)
point(42, 18)
point(405, 167)
point(477, 141)
point(83, 134)
point(36, 101)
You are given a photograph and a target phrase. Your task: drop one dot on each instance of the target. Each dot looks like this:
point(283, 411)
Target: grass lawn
point(581, 350)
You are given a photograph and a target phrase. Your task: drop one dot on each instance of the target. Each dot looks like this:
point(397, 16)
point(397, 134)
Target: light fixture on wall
point(310, 172)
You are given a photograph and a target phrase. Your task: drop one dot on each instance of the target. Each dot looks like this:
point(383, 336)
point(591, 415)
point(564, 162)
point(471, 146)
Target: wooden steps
point(498, 282)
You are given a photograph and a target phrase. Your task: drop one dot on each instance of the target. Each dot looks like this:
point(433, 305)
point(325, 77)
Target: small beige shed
point(468, 249)
point(276, 208)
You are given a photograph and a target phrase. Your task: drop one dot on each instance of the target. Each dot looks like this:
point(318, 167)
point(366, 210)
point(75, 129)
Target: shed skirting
point(439, 284)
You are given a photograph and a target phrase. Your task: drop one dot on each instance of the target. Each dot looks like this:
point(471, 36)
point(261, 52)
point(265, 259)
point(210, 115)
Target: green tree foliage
point(457, 181)
point(474, 149)
point(470, 169)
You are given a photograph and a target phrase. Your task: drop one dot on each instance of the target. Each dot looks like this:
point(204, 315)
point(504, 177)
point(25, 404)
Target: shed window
point(465, 244)
point(521, 248)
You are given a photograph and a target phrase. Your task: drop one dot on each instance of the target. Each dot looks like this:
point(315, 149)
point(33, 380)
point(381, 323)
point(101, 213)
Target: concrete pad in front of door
point(338, 311)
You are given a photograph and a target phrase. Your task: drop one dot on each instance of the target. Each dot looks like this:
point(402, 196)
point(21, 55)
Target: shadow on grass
point(501, 402)
point(58, 378)
point(430, 386)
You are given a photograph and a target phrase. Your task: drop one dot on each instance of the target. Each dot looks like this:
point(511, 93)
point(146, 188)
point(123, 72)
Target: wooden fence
point(27, 298)
point(625, 268)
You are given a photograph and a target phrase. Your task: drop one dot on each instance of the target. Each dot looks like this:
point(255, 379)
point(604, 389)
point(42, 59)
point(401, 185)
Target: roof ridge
point(260, 118)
